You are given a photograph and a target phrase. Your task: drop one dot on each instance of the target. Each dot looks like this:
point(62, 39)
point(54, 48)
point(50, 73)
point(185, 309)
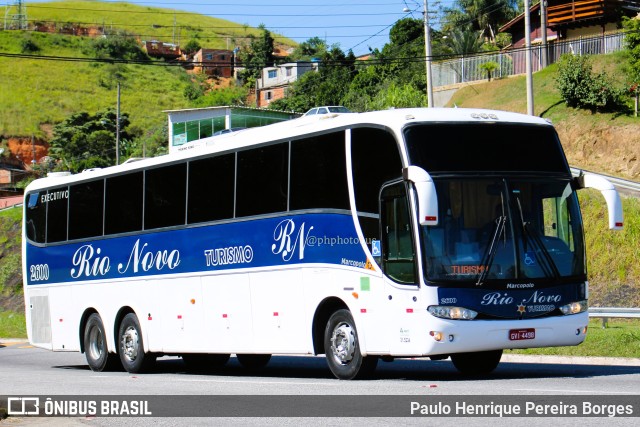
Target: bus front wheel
point(342, 348)
point(95, 346)
point(132, 355)
point(477, 363)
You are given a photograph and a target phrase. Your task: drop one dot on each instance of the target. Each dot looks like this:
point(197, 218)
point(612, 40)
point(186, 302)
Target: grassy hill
point(38, 93)
point(606, 143)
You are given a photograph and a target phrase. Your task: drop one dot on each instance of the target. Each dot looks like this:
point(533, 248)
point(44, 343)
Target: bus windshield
point(506, 207)
point(504, 229)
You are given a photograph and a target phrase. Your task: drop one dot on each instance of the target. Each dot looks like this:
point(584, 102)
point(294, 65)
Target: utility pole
point(427, 50)
point(118, 127)
point(527, 45)
point(19, 17)
point(543, 34)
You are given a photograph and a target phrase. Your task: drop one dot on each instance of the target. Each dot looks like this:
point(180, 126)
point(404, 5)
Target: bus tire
point(342, 348)
point(477, 363)
point(198, 362)
point(134, 359)
point(95, 346)
point(253, 361)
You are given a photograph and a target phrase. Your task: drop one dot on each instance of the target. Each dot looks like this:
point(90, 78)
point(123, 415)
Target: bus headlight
point(448, 312)
point(574, 307)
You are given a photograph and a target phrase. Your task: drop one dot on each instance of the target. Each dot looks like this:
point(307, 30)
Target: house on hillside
point(275, 81)
point(571, 19)
point(515, 27)
point(581, 27)
point(588, 18)
point(214, 62)
point(158, 49)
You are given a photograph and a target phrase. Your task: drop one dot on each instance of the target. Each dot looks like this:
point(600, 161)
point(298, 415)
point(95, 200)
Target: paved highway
point(25, 370)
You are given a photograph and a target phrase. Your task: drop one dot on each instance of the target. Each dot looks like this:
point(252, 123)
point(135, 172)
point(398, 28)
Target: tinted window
point(211, 189)
point(165, 196)
point(86, 201)
point(375, 159)
point(36, 221)
point(485, 147)
point(262, 180)
point(57, 206)
point(318, 173)
point(123, 210)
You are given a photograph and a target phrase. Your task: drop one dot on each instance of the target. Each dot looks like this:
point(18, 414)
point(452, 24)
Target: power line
point(205, 27)
point(216, 14)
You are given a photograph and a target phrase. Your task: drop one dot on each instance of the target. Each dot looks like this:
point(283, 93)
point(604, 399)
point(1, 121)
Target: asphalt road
point(25, 370)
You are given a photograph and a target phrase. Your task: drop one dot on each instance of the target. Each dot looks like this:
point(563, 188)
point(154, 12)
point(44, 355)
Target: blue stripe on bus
point(308, 238)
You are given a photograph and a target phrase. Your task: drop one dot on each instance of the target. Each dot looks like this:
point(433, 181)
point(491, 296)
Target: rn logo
point(287, 238)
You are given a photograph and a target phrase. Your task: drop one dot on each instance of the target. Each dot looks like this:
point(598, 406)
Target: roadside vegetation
point(621, 338)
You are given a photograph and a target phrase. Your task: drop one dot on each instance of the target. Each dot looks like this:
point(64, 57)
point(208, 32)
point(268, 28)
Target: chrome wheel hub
point(130, 343)
point(343, 343)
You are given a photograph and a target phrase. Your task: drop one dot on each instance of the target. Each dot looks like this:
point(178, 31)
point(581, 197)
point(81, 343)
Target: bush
point(117, 46)
point(28, 46)
point(580, 88)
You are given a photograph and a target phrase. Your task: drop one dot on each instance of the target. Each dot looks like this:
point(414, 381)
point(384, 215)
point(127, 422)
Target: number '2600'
point(39, 272)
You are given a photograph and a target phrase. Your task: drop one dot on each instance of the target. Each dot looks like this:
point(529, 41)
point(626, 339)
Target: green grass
point(508, 94)
point(612, 256)
point(38, 94)
point(12, 325)
point(621, 338)
point(150, 23)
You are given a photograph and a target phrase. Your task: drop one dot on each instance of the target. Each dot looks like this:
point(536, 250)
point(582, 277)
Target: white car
point(326, 110)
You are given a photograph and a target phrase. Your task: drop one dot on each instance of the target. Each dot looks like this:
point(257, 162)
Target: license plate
point(522, 334)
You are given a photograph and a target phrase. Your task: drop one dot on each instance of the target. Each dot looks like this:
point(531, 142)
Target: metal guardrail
point(617, 182)
point(606, 313)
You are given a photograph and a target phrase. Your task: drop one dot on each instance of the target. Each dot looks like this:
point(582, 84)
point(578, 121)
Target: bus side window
point(36, 221)
point(123, 204)
point(398, 255)
point(57, 208)
point(256, 195)
point(217, 172)
point(319, 173)
point(164, 196)
point(375, 160)
point(86, 201)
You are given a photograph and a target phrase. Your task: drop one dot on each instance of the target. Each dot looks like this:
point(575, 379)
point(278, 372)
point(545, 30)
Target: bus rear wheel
point(342, 348)
point(95, 346)
point(253, 361)
point(132, 355)
point(477, 363)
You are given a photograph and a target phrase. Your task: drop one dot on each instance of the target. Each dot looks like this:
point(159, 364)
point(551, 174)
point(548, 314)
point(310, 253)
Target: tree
point(632, 42)
point(258, 56)
point(117, 46)
point(314, 47)
point(85, 141)
point(191, 47)
point(580, 88)
point(461, 42)
point(489, 68)
point(485, 16)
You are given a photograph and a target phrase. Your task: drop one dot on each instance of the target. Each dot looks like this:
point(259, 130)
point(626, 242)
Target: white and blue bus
point(402, 233)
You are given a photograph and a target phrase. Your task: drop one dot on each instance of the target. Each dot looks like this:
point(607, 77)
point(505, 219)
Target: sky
point(352, 24)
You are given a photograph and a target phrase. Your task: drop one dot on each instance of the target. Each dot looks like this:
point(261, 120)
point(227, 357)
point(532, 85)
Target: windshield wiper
point(535, 238)
point(550, 268)
point(490, 252)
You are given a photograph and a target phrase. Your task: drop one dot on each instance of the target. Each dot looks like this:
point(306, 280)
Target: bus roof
point(393, 119)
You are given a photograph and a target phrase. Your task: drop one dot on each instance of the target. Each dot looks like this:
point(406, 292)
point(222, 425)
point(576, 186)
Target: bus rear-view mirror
point(426, 192)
